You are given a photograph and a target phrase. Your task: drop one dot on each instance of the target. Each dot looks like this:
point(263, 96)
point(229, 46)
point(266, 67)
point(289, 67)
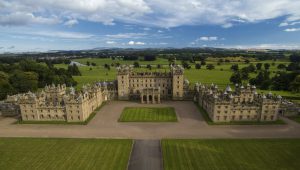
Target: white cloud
point(148, 12)
point(131, 43)
point(24, 18)
point(283, 24)
point(110, 42)
point(214, 38)
point(136, 43)
point(71, 22)
point(62, 34)
point(126, 35)
point(227, 25)
point(292, 29)
point(140, 43)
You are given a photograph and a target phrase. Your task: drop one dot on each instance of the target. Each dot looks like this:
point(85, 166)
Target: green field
point(231, 154)
point(148, 114)
point(295, 118)
point(220, 75)
point(38, 153)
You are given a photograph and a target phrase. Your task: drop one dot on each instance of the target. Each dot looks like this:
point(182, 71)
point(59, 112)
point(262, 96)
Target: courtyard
point(190, 125)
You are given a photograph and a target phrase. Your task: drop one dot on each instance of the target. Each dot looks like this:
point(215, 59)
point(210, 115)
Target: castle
point(242, 104)
point(56, 103)
point(151, 87)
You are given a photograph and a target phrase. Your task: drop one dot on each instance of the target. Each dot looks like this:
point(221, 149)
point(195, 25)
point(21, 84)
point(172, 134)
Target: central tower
point(177, 82)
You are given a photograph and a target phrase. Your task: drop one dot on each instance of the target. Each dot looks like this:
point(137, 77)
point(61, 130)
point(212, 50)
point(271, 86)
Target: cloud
point(11, 47)
point(62, 34)
point(136, 43)
point(227, 25)
point(126, 35)
point(214, 38)
point(71, 22)
point(24, 18)
point(158, 13)
point(284, 24)
point(110, 42)
point(292, 29)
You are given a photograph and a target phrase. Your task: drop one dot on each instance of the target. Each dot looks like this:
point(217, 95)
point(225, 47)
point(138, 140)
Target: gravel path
point(146, 155)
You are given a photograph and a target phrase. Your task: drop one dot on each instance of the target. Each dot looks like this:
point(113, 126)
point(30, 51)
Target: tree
point(73, 70)
point(258, 66)
point(247, 61)
point(88, 63)
point(251, 68)
point(295, 58)
point(210, 67)
point(149, 57)
point(5, 86)
point(158, 66)
point(149, 66)
point(236, 78)
point(281, 66)
point(293, 67)
point(185, 64)
point(244, 74)
point(136, 64)
point(234, 67)
point(203, 62)
point(267, 66)
point(295, 84)
point(24, 81)
point(94, 64)
point(197, 66)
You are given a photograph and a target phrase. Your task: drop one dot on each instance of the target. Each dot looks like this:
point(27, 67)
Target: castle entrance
point(150, 95)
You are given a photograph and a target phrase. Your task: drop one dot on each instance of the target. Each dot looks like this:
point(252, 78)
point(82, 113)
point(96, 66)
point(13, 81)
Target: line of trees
point(28, 75)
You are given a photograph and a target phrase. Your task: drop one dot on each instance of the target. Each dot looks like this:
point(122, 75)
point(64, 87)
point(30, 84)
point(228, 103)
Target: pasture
point(62, 154)
point(148, 114)
point(210, 154)
point(220, 75)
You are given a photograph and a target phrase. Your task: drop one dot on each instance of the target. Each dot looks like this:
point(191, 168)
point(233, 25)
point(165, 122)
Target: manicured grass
point(228, 154)
point(92, 115)
point(148, 114)
point(210, 122)
point(62, 154)
point(295, 118)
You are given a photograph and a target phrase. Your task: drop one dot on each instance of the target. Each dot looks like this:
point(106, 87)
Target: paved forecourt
point(190, 125)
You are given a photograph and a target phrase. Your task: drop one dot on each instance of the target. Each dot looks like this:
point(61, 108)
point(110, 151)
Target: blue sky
point(30, 25)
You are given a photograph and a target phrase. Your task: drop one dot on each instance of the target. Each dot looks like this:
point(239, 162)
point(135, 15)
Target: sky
point(42, 25)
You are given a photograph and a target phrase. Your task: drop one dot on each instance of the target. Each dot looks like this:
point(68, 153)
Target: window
point(78, 117)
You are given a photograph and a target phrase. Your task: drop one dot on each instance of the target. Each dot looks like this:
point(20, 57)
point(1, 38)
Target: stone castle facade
point(242, 104)
point(151, 87)
point(57, 103)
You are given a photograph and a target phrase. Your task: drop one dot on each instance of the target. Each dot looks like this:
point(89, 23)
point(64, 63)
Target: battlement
point(177, 69)
point(124, 69)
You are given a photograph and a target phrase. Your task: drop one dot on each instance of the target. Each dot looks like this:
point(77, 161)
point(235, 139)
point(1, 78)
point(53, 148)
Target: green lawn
point(148, 114)
point(220, 75)
point(46, 153)
point(295, 118)
point(231, 154)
